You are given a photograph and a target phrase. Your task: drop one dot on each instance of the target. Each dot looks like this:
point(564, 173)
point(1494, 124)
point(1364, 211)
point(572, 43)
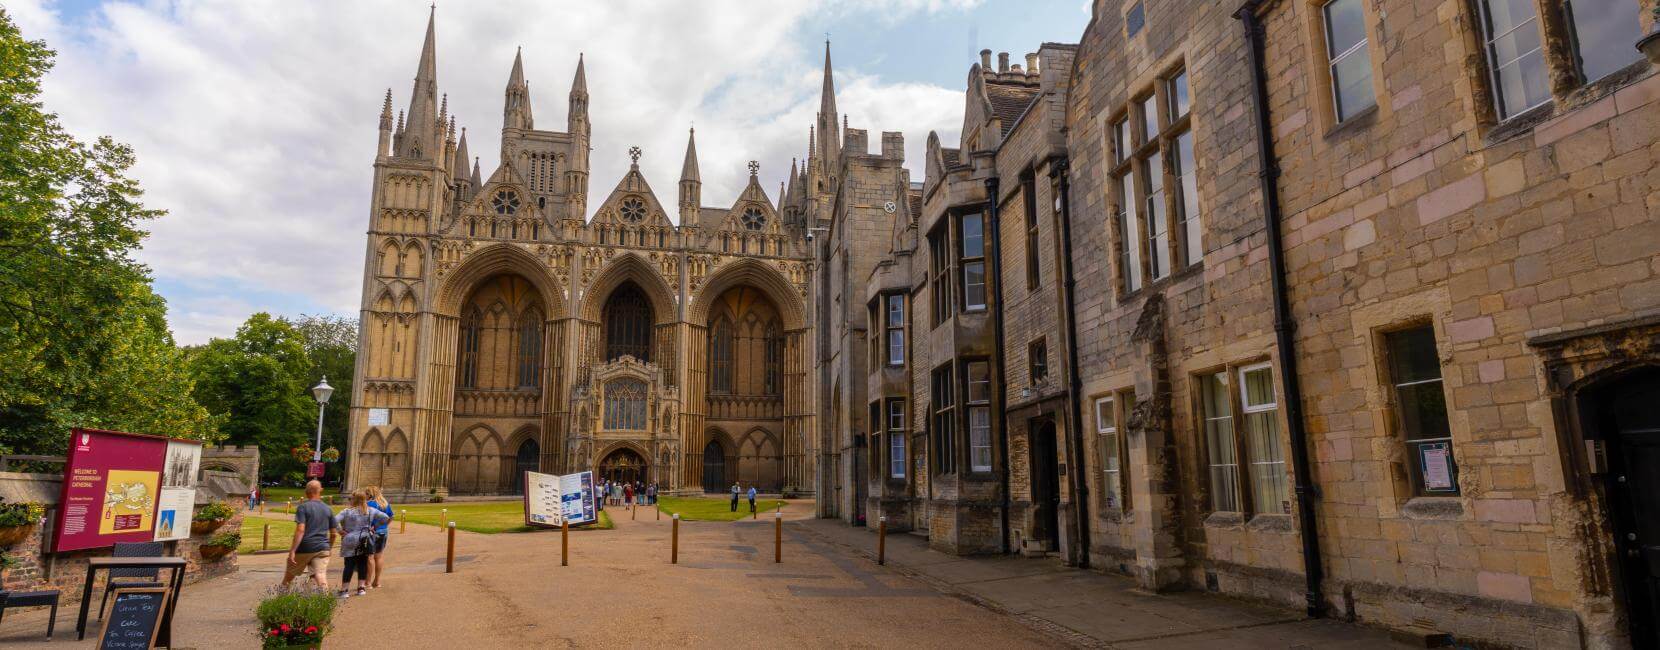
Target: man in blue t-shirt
point(314, 530)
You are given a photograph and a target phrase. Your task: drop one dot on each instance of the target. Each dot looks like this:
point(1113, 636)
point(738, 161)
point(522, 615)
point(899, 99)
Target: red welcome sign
point(111, 481)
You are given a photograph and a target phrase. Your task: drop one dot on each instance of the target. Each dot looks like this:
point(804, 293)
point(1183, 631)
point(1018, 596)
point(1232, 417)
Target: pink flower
point(275, 631)
point(311, 629)
point(284, 628)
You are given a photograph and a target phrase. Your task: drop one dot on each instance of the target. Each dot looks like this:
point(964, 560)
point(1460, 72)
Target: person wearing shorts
point(314, 529)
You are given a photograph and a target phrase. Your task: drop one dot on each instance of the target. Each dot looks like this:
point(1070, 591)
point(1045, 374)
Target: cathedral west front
point(502, 331)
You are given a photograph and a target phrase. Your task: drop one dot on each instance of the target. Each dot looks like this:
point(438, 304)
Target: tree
point(331, 346)
point(259, 384)
point(83, 339)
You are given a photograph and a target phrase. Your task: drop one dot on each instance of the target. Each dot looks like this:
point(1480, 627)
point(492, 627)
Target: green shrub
point(296, 618)
point(20, 513)
point(227, 539)
point(216, 511)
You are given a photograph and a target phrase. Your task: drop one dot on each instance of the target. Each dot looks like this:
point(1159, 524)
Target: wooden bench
point(49, 597)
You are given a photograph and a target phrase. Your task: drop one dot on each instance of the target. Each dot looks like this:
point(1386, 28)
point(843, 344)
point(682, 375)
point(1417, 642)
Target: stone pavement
point(509, 591)
point(1093, 609)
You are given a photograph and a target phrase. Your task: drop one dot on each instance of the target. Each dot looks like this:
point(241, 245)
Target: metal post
point(674, 541)
point(777, 538)
point(882, 540)
point(449, 556)
point(565, 542)
point(317, 452)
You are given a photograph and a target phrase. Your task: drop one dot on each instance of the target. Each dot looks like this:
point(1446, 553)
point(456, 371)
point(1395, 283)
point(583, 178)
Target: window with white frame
point(1221, 446)
point(979, 416)
point(973, 261)
point(944, 421)
point(896, 438)
point(1111, 452)
point(1263, 449)
point(895, 325)
point(1349, 62)
point(1154, 179)
point(1515, 56)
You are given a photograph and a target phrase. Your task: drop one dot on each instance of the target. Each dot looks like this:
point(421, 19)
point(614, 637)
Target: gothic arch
point(621, 444)
point(488, 262)
point(627, 266)
point(755, 273)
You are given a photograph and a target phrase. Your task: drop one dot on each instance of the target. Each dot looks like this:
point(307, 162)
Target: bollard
point(443, 515)
point(777, 538)
point(449, 555)
point(564, 542)
point(882, 540)
point(752, 514)
point(262, 507)
point(266, 545)
point(403, 524)
point(659, 510)
point(674, 541)
point(633, 512)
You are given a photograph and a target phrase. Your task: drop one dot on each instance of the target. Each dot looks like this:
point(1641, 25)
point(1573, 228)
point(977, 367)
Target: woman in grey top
point(357, 524)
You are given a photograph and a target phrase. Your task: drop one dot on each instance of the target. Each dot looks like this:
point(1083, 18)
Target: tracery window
point(469, 348)
point(633, 210)
point(628, 323)
point(752, 219)
point(625, 405)
point(720, 357)
point(774, 360)
point(530, 350)
point(505, 202)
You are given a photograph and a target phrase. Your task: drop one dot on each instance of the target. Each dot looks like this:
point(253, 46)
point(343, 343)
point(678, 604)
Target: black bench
point(9, 599)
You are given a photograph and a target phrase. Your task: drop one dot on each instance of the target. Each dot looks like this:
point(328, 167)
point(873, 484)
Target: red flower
point(284, 627)
point(275, 631)
point(311, 629)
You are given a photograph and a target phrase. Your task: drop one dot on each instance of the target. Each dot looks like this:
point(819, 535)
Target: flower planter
point(1650, 45)
point(205, 527)
point(214, 553)
point(13, 534)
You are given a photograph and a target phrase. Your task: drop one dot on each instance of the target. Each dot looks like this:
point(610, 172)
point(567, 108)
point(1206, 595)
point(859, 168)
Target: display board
point(552, 500)
point(134, 617)
point(177, 498)
point(110, 487)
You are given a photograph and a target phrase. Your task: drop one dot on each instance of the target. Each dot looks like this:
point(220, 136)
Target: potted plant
point(220, 545)
point(210, 517)
point(1650, 43)
point(296, 619)
point(18, 520)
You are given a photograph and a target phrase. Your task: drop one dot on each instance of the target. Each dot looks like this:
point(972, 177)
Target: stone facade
point(1451, 401)
point(503, 331)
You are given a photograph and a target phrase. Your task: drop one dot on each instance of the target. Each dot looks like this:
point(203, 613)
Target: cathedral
point(502, 331)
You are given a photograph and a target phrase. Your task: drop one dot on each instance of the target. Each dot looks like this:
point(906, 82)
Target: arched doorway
point(1623, 414)
point(525, 461)
point(714, 467)
point(623, 466)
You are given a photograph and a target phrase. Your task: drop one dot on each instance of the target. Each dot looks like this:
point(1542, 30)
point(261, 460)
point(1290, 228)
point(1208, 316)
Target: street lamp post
point(321, 391)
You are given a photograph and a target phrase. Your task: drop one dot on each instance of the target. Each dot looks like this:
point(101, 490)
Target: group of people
point(738, 489)
point(362, 529)
point(626, 494)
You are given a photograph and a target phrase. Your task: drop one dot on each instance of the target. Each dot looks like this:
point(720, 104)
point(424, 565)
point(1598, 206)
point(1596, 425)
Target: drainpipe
point(1058, 169)
point(1283, 324)
point(995, 259)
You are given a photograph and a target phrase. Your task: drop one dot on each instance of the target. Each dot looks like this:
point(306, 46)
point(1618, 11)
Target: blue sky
point(254, 121)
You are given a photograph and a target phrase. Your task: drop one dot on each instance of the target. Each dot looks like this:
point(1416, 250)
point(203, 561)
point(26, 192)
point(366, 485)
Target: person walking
point(357, 524)
point(378, 501)
point(314, 530)
point(651, 494)
point(628, 494)
point(752, 498)
point(735, 491)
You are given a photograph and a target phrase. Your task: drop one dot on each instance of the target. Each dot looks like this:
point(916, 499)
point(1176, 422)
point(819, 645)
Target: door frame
point(1046, 481)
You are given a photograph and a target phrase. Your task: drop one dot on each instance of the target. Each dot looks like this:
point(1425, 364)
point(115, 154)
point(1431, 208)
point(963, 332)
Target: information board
point(134, 618)
point(110, 489)
point(177, 500)
point(551, 500)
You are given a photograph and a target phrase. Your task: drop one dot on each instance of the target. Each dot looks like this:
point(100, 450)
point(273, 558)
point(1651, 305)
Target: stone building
point(1353, 306)
point(504, 331)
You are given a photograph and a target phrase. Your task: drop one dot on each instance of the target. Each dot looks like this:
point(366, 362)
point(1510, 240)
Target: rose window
point(505, 202)
point(752, 219)
point(634, 210)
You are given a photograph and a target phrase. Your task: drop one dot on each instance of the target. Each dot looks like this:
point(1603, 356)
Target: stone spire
point(477, 180)
point(691, 184)
point(383, 147)
point(461, 157)
point(515, 112)
point(577, 117)
point(828, 132)
point(688, 170)
point(423, 136)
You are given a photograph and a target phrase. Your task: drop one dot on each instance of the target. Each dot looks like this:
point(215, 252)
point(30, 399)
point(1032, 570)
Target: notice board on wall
point(111, 487)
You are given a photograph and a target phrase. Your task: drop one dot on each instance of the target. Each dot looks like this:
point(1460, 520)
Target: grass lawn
point(279, 494)
point(253, 532)
point(472, 516)
point(716, 509)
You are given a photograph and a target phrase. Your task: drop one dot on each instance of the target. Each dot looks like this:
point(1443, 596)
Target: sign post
point(134, 618)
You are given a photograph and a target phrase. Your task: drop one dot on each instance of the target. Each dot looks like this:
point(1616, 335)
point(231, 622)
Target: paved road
point(509, 591)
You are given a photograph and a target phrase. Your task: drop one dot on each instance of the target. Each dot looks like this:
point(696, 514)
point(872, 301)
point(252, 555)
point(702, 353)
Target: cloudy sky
point(255, 121)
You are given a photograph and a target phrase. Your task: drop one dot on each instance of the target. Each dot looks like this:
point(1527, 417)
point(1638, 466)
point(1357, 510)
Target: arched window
point(775, 360)
point(530, 349)
point(467, 356)
point(628, 322)
point(625, 405)
point(720, 356)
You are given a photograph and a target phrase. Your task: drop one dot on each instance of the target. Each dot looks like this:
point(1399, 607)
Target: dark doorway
point(1625, 415)
point(525, 461)
point(623, 466)
point(860, 488)
point(1046, 485)
point(714, 467)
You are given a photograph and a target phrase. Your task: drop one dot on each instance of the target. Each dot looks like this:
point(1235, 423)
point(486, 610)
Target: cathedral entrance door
point(525, 461)
point(623, 466)
point(714, 467)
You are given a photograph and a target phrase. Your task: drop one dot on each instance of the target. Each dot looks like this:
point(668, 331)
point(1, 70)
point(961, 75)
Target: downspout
point(995, 253)
point(1283, 324)
point(1058, 169)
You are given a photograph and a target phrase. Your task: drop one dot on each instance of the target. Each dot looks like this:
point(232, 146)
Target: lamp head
point(322, 391)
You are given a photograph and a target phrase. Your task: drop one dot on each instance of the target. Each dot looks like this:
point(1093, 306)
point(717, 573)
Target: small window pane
point(1258, 388)
point(979, 381)
point(1128, 235)
point(1158, 230)
point(1605, 35)
point(1134, 19)
point(1121, 141)
point(1220, 444)
point(979, 439)
point(1187, 203)
point(1412, 355)
point(1104, 420)
point(1263, 450)
point(974, 240)
point(1345, 25)
point(974, 285)
point(1149, 119)
point(1352, 83)
point(896, 455)
point(1514, 56)
point(896, 311)
point(896, 415)
point(1177, 92)
point(896, 347)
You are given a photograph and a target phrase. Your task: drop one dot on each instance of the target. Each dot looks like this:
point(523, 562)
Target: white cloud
point(255, 122)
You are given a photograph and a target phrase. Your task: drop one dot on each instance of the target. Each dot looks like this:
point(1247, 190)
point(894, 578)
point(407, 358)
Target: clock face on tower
point(505, 202)
point(633, 210)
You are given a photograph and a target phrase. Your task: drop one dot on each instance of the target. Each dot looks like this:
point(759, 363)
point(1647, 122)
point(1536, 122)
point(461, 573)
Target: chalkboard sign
point(133, 619)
